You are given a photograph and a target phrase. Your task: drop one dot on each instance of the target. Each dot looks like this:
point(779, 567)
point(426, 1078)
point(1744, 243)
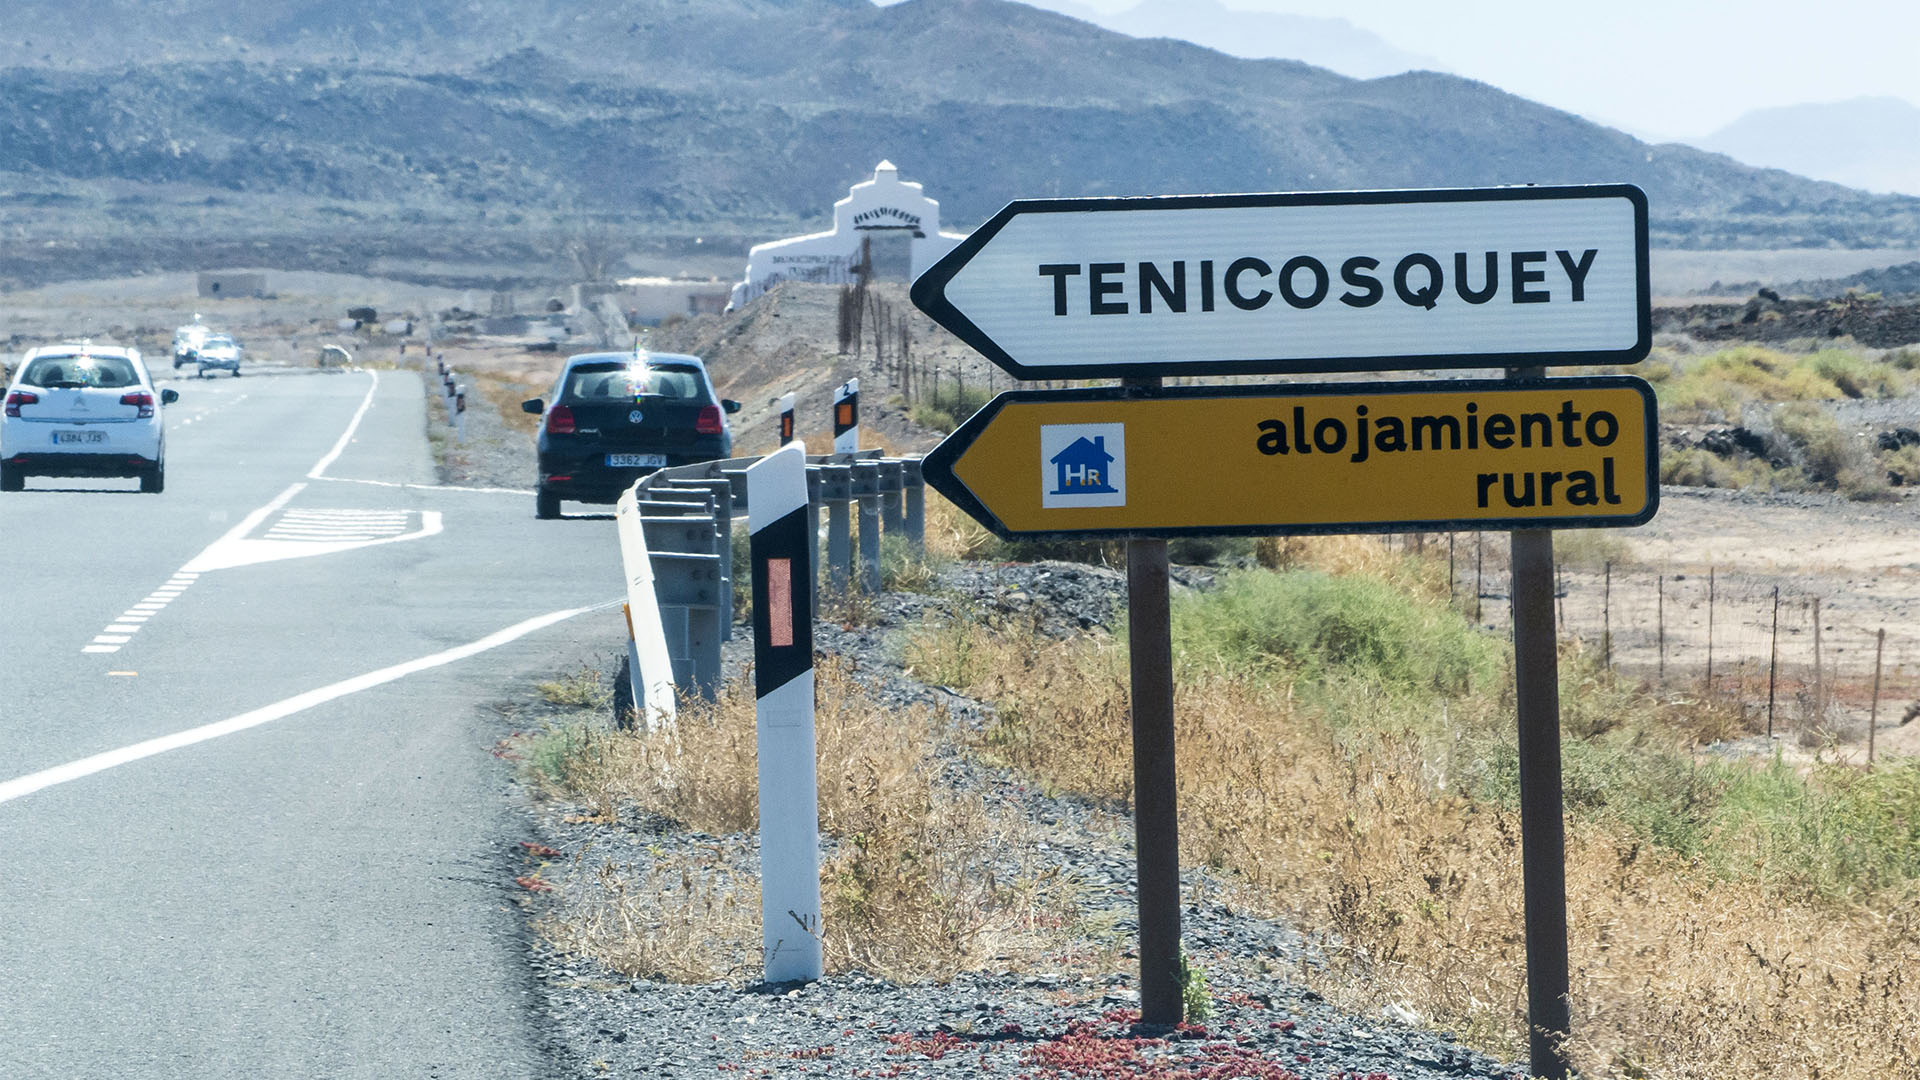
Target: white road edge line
point(346, 436)
point(126, 755)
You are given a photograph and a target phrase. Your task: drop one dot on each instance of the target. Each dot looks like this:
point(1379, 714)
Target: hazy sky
point(1672, 68)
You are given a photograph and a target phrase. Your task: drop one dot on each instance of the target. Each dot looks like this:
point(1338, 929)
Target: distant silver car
point(219, 353)
point(187, 341)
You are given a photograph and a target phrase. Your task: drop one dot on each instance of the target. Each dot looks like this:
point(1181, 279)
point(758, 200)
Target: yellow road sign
point(1365, 457)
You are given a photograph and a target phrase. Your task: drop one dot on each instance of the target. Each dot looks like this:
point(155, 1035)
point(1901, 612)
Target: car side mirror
point(168, 397)
point(535, 406)
point(730, 405)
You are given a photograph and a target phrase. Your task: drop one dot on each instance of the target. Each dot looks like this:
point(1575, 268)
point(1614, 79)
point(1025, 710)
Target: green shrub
point(1836, 831)
point(1693, 467)
point(1328, 628)
point(1718, 387)
point(1829, 456)
point(932, 418)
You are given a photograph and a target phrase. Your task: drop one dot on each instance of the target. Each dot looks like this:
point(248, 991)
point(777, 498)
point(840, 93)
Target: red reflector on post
point(780, 602)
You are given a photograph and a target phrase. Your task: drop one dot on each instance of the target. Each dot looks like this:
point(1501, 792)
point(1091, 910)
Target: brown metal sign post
point(1156, 812)
point(1543, 856)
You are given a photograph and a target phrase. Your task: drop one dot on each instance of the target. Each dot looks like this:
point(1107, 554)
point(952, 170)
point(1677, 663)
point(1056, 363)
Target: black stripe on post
point(782, 602)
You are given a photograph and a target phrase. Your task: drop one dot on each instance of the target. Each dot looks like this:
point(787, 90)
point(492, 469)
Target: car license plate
point(636, 461)
point(65, 438)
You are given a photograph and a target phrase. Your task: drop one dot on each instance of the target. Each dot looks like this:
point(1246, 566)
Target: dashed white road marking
point(126, 755)
point(233, 548)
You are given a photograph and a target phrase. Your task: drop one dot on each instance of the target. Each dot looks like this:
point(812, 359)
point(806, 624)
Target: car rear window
point(624, 382)
point(104, 372)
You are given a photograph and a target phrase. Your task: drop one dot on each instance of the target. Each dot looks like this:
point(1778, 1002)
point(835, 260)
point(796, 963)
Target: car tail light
point(560, 420)
point(709, 421)
point(140, 398)
point(18, 398)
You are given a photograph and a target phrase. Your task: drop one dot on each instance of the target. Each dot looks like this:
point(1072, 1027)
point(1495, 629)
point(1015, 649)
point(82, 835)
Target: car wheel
point(546, 504)
point(154, 480)
point(12, 480)
point(236, 373)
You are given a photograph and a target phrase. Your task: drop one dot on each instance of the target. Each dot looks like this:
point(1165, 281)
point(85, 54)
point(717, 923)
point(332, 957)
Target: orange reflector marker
point(780, 602)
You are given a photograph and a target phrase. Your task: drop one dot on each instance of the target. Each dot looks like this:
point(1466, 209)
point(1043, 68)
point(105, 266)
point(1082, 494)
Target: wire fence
point(1819, 668)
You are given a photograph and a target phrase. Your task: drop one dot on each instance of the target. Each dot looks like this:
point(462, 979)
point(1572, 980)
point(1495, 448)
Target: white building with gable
point(893, 221)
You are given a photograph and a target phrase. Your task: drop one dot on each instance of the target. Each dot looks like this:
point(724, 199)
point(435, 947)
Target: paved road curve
point(205, 878)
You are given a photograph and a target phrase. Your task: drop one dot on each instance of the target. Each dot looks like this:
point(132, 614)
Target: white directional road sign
point(1329, 281)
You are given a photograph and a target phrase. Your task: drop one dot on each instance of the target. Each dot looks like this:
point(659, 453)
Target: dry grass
point(505, 392)
point(1369, 813)
point(917, 885)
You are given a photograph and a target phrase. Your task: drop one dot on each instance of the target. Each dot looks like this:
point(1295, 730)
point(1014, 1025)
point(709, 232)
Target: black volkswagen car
point(616, 417)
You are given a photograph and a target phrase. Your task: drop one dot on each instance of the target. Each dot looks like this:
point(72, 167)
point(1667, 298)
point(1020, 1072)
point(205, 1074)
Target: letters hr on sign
point(1250, 283)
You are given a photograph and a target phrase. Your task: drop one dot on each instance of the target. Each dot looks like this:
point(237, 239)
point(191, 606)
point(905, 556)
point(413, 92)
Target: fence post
point(1606, 618)
point(1819, 670)
point(1873, 712)
point(1773, 660)
point(1660, 584)
point(1479, 573)
point(1710, 599)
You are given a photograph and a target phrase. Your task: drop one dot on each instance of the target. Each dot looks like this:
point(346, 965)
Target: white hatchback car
point(83, 410)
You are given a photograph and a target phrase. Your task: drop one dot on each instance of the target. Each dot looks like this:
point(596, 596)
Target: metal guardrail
point(686, 515)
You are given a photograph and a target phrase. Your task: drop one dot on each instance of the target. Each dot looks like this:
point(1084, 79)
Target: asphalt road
point(245, 833)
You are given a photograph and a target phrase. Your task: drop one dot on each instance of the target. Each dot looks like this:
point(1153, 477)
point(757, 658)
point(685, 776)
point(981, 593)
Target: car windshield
point(219, 343)
point(103, 372)
point(624, 382)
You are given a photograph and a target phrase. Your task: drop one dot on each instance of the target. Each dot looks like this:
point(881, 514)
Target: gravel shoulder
point(1070, 1019)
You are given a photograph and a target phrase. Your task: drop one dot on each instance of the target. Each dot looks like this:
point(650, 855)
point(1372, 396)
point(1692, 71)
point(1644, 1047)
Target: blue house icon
point(1084, 468)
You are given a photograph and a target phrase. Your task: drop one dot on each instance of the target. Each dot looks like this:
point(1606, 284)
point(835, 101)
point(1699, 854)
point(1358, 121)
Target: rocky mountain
point(1870, 143)
point(1334, 44)
point(472, 124)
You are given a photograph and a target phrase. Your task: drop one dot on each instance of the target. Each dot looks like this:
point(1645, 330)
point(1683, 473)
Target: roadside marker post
point(846, 417)
point(1516, 278)
point(786, 419)
point(783, 689)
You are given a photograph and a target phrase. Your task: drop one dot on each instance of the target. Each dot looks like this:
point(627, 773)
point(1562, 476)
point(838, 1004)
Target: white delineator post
point(786, 419)
point(649, 664)
point(846, 417)
point(778, 528)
